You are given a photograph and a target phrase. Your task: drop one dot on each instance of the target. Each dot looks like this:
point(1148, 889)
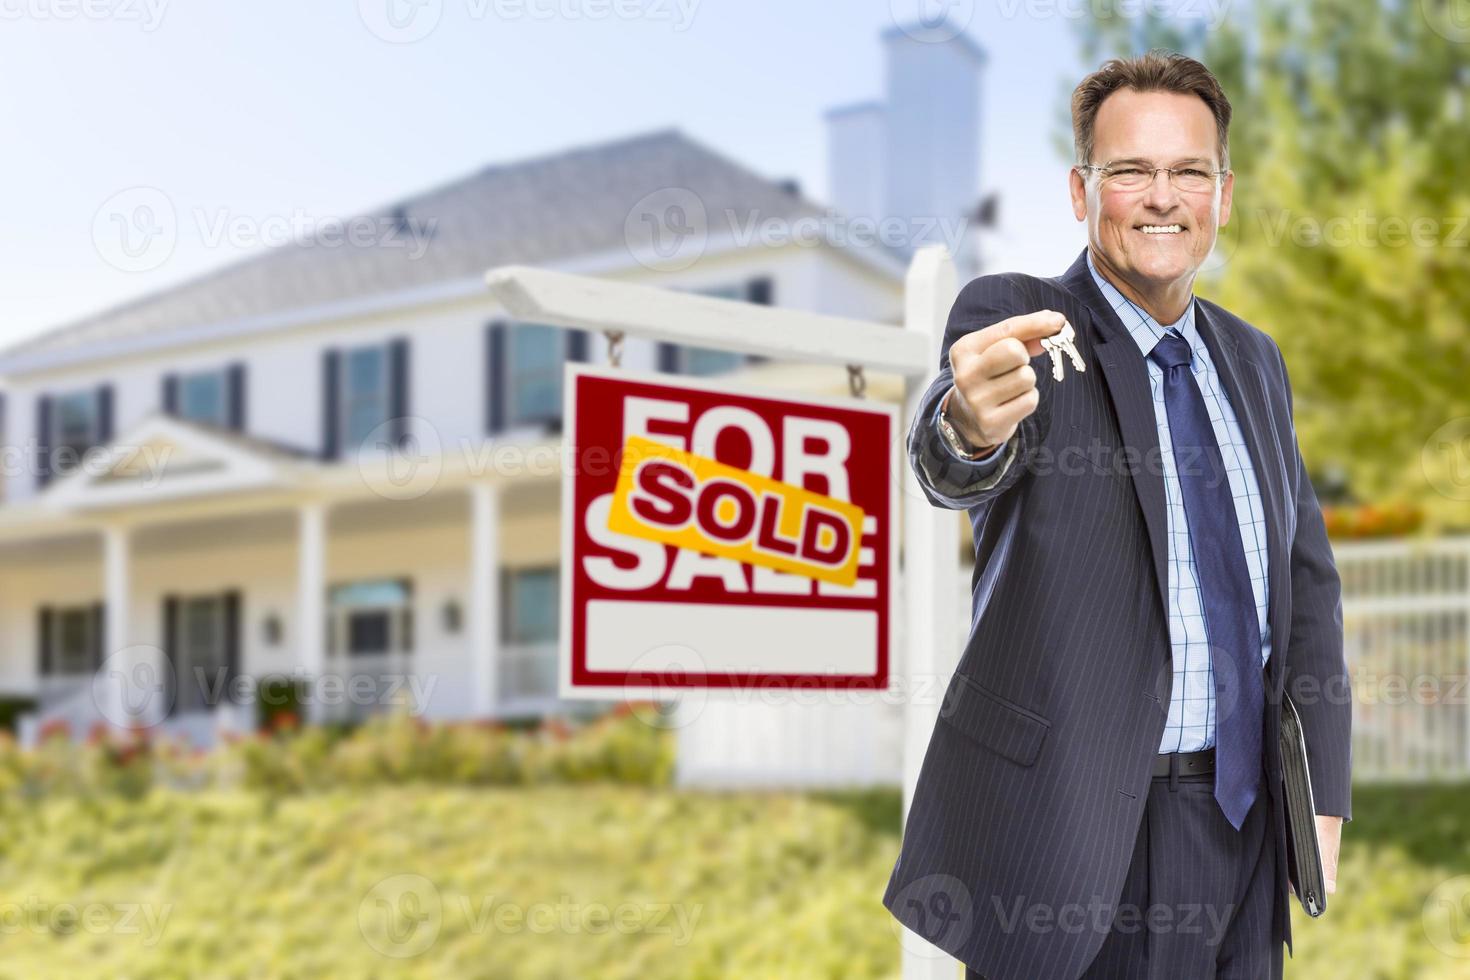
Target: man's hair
point(1157, 71)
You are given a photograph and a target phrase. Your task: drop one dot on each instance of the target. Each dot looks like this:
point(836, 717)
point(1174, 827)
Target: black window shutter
point(99, 634)
point(577, 346)
point(43, 440)
point(171, 653)
point(104, 414)
point(171, 394)
point(232, 634)
point(760, 291)
point(330, 425)
point(235, 396)
point(495, 377)
point(44, 618)
point(668, 358)
point(398, 391)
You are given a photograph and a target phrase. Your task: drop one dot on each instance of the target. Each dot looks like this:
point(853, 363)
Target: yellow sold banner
point(675, 497)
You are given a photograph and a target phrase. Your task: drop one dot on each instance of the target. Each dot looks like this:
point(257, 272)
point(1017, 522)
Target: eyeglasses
point(1131, 175)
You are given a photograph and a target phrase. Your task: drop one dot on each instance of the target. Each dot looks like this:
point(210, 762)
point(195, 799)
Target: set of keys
point(1060, 344)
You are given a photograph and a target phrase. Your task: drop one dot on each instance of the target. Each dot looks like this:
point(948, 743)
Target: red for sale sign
point(720, 537)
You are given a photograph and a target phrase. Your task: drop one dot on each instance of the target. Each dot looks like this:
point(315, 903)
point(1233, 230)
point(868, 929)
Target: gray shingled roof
point(532, 211)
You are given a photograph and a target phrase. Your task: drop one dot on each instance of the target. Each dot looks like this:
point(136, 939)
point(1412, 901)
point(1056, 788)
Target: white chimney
point(855, 150)
point(915, 155)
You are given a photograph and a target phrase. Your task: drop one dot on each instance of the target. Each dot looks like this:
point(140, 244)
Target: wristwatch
point(952, 436)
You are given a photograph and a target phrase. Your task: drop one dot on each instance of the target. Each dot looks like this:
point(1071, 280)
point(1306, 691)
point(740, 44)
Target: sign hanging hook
point(857, 382)
point(614, 347)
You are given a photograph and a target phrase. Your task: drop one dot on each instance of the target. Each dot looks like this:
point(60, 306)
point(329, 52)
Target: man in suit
point(1101, 794)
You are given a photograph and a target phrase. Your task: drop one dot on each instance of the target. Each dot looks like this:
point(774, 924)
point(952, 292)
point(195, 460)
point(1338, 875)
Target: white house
point(340, 465)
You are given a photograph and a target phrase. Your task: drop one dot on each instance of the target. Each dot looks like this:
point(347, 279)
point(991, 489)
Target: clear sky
point(282, 107)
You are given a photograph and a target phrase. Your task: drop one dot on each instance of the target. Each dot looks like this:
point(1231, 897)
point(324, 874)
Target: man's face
point(1161, 129)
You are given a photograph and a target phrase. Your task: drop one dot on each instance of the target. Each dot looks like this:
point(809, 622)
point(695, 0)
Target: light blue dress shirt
point(1191, 721)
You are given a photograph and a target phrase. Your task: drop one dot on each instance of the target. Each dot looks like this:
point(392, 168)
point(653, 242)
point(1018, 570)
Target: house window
point(76, 428)
point(534, 378)
point(705, 361)
point(73, 641)
point(364, 393)
point(202, 398)
point(531, 617)
point(532, 613)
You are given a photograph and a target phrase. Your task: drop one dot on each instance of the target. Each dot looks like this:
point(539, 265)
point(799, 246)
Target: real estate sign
point(720, 537)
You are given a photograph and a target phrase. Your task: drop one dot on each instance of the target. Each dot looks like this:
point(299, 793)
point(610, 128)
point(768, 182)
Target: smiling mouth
point(1160, 229)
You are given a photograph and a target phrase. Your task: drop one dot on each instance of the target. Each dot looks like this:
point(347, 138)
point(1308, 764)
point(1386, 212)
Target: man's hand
point(994, 379)
point(1329, 839)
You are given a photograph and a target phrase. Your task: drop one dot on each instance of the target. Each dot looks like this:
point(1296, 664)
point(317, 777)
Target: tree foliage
point(1350, 238)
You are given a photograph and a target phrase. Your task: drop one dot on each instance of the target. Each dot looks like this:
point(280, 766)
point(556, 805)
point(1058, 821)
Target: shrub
point(387, 749)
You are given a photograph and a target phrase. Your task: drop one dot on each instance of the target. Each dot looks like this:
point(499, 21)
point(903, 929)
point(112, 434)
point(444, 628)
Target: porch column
point(122, 671)
point(484, 601)
point(311, 585)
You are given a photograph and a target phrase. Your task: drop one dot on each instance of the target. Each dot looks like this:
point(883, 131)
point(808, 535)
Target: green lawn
point(575, 881)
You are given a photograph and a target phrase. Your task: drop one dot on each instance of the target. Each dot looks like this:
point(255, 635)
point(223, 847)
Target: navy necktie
point(1225, 584)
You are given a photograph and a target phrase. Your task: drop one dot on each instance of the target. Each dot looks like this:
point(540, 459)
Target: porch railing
point(1406, 624)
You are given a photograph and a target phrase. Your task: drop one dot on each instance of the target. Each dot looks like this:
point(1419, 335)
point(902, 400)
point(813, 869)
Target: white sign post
point(929, 637)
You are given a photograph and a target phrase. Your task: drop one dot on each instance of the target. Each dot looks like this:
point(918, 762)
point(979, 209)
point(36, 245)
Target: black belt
point(1189, 763)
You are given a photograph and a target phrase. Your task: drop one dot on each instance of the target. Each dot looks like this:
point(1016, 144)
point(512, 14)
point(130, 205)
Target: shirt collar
point(1144, 329)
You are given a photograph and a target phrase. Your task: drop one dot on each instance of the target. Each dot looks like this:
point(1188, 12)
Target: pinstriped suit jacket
point(1026, 810)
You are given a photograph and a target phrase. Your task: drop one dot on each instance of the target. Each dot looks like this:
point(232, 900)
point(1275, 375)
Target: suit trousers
point(1198, 898)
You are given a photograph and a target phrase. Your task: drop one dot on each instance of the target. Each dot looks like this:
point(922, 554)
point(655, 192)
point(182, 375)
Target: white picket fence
point(1406, 623)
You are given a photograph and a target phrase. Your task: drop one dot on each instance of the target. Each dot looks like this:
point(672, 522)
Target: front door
point(202, 642)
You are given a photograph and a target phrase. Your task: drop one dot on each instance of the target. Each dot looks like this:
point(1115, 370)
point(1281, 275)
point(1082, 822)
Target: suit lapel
point(1127, 384)
point(1126, 375)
